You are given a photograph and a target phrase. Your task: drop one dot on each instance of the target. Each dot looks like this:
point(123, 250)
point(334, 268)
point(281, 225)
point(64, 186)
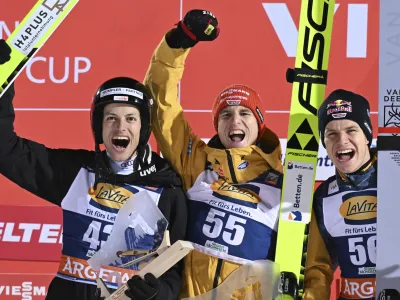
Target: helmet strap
point(102, 171)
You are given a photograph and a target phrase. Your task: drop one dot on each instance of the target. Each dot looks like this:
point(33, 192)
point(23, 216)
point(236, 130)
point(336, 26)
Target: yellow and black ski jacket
point(343, 233)
point(234, 194)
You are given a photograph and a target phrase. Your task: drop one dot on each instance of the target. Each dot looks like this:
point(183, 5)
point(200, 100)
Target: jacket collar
point(242, 164)
point(363, 176)
point(156, 172)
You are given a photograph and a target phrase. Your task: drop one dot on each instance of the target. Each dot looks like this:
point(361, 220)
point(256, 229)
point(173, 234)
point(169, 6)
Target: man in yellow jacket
point(234, 182)
point(343, 225)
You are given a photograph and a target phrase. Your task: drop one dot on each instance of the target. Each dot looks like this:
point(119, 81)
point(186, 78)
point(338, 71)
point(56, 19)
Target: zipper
point(217, 273)
point(231, 168)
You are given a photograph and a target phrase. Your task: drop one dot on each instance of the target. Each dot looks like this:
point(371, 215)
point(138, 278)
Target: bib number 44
point(229, 227)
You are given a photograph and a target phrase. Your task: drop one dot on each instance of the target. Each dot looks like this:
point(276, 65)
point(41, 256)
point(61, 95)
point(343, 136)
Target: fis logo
point(295, 215)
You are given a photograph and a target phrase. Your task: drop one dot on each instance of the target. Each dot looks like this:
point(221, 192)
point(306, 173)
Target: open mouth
point(236, 135)
point(120, 142)
point(345, 155)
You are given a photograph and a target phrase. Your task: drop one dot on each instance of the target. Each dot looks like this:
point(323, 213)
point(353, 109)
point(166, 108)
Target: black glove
point(5, 52)
point(143, 289)
point(197, 25)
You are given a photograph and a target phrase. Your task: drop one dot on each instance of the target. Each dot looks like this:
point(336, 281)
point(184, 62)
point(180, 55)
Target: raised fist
point(197, 25)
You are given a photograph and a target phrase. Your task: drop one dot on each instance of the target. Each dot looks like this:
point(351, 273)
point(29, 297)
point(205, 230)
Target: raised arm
point(44, 172)
point(175, 137)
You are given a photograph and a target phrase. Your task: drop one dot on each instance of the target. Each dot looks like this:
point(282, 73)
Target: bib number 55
point(231, 227)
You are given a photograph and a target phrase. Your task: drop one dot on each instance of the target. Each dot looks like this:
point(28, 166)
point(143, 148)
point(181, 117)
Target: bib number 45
point(231, 227)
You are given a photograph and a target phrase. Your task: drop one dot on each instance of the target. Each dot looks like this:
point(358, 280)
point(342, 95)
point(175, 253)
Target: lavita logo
point(148, 171)
point(357, 28)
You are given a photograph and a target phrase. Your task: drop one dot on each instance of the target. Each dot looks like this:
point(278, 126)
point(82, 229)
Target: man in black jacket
point(91, 186)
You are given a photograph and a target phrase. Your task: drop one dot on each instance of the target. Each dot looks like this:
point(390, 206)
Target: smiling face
point(121, 130)
point(237, 127)
point(347, 145)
